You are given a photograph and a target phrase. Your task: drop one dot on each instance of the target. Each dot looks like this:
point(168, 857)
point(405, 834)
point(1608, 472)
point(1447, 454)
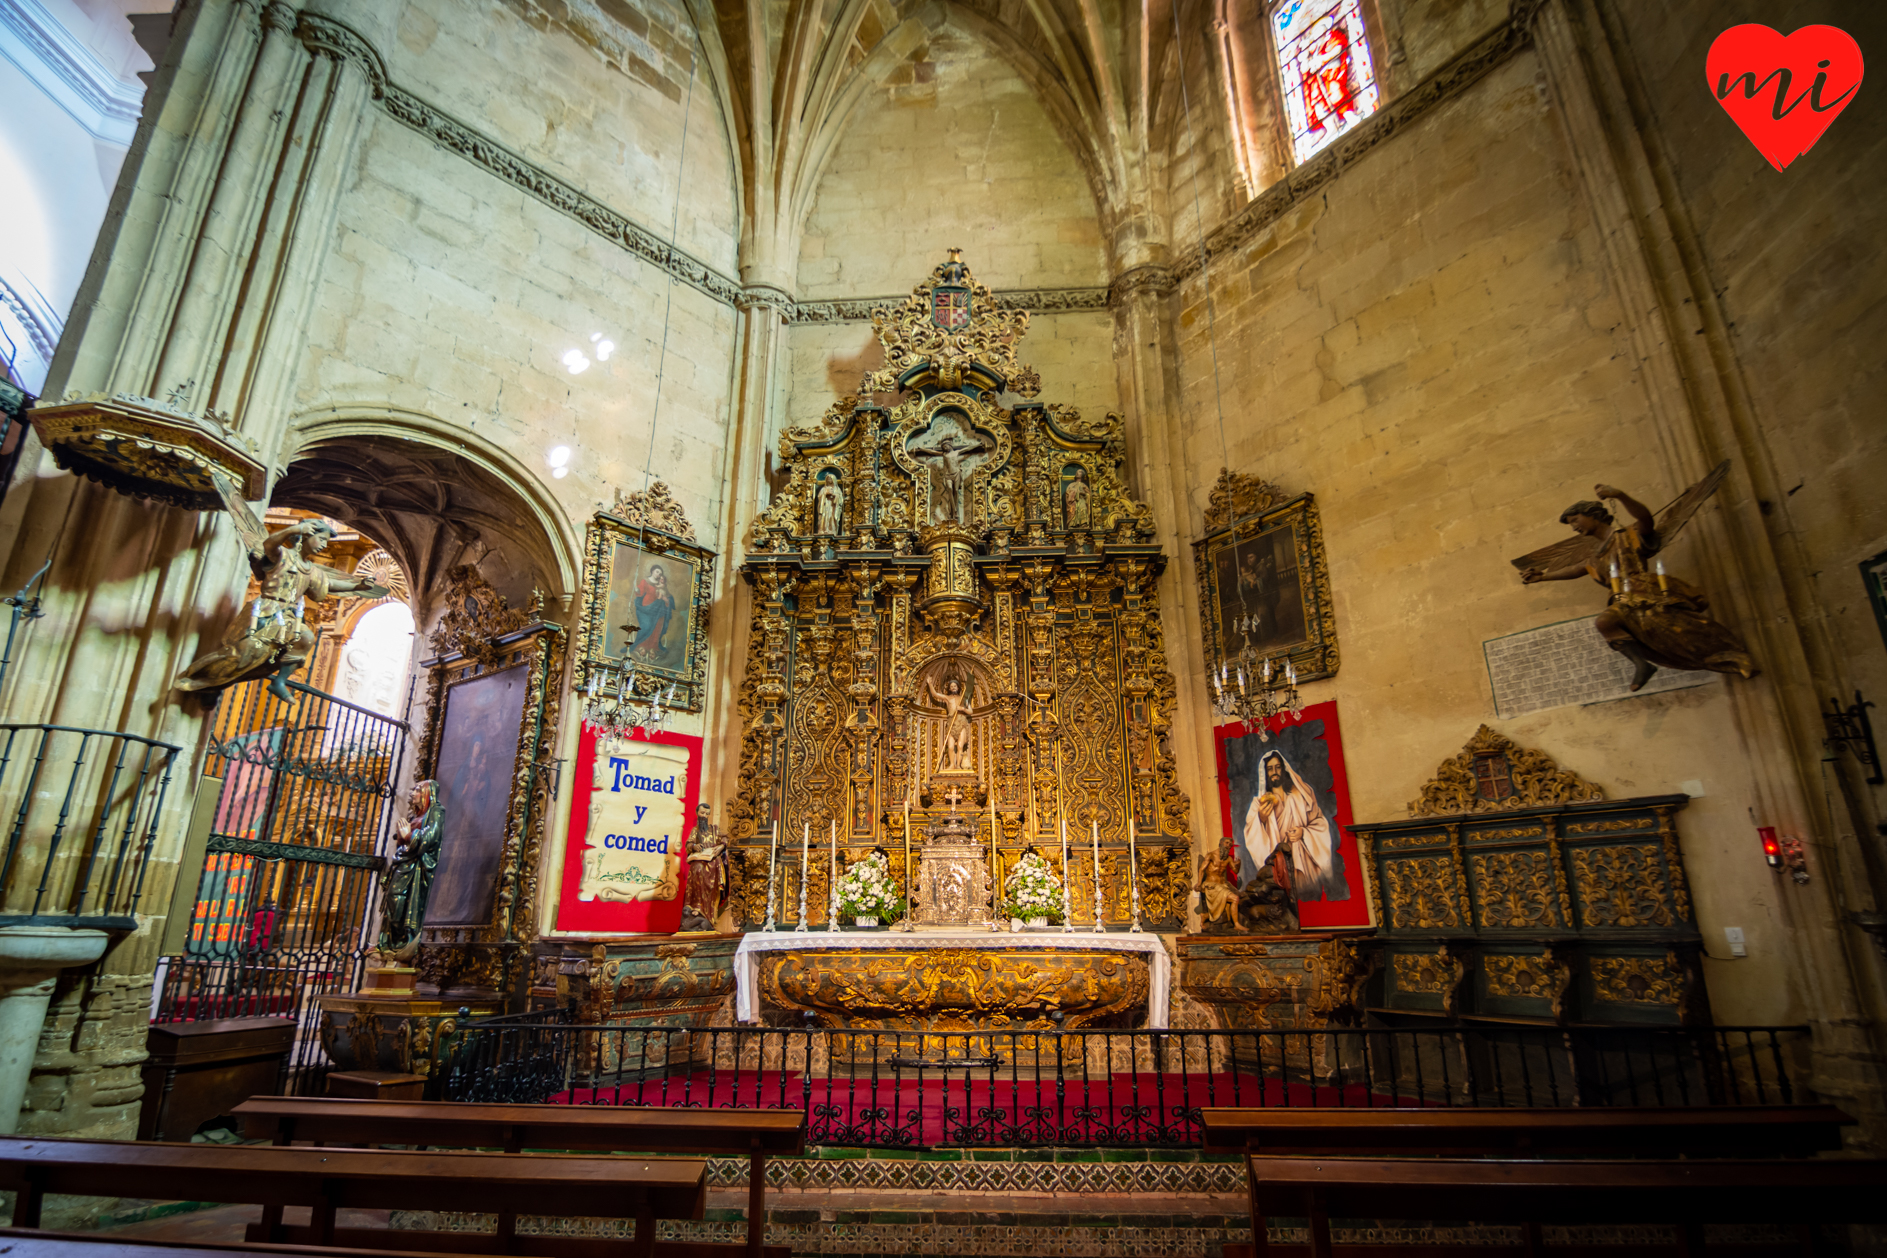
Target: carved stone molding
point(1532, 779)
point(1034, 300)
point(1156, 280)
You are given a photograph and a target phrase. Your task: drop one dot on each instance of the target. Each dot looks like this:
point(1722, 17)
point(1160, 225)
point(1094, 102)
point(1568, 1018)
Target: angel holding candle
point(1652, 618)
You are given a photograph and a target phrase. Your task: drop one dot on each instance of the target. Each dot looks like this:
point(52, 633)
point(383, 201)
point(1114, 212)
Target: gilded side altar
point(953, 596)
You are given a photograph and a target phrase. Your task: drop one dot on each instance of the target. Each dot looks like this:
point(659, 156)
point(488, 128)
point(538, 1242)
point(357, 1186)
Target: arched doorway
point(289, 899)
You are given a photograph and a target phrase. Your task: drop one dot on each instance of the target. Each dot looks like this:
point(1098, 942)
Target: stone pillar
point(198, 294)
point(1146, 355)
point(759, 347)
point(1751, 565)
point(31, 958)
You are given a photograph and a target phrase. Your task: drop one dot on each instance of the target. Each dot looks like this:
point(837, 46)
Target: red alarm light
point(1772, 847)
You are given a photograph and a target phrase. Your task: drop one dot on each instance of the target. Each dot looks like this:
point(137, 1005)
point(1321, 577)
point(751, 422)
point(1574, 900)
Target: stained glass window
point(1323, 55)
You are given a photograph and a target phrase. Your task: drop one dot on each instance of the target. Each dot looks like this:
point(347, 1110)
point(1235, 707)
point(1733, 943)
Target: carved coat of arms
point(950, 307)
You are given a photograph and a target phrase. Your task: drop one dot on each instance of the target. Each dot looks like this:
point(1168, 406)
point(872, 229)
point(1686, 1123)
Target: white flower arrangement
point(1033, 890)
point(866, 890)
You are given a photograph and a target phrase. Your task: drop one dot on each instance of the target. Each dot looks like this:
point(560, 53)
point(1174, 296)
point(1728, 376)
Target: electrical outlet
point(1734, 936)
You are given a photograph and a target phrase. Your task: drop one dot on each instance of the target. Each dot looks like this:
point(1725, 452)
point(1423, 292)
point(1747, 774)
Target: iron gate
point(287, 898)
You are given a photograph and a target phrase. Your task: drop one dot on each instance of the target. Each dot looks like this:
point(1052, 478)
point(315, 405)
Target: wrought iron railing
point(81, 807)
point(1104, 1088)
point(286, 896)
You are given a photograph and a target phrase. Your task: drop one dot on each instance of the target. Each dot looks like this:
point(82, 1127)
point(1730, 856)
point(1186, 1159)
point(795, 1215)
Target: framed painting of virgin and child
point(645, 609)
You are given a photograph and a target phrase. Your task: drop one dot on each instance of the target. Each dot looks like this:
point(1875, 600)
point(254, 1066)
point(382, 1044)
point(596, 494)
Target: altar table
point(754, 943)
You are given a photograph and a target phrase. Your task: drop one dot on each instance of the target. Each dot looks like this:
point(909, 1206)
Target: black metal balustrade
point(81, 807)
point(286, 896)
point(1064, 1089)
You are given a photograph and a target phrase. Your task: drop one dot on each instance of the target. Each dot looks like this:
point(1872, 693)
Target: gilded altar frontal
point(956, 615)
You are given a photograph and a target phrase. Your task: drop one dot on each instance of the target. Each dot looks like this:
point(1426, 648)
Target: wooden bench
point(1754, 1131)
point(25, 1243)
point(325, 1180)
point(753, 1133)
point(1688, 1194)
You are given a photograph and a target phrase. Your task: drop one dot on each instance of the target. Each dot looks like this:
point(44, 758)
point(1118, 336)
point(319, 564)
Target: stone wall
point(952, 151)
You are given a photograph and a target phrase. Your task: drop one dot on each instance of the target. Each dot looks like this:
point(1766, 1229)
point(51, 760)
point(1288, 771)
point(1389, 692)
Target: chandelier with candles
point(1251, 690)
point(613, 704)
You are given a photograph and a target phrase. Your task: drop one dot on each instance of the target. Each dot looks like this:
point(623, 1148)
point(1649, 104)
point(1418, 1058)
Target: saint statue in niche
point(1286, 828)
point(955, 702)
point(954, 456)
point(1075, 497)
point(1652, 618)
point(829, 506)
point(269, 637)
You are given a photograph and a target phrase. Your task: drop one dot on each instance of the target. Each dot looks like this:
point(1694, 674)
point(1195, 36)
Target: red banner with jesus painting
point(1284, 803)
point(632, 807)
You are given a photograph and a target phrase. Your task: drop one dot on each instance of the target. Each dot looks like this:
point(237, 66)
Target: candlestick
point(1095, 830)
point(1067, 884)
point(1615, 577)
point(995, 865)
point(773, 864)
point(805, 865)
point(910, 892)
point(1133, 873)
point(832, 881)
point(1658, 567)
point(1067, 904)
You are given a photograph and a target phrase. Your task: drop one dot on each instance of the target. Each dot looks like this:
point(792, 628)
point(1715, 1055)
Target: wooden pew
point(1581, 1191)
point(26, 1243)
point(1744, 1131)
point(755, 1133)
point(326, 1180)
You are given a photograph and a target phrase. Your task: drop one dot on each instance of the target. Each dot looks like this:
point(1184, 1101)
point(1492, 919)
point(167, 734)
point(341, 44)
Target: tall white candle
point(773, 866)
point(995, 863)
point(1067, 887)
point(1095, 831)
point(805, 865)
point(1133, 872)
point(832, 880)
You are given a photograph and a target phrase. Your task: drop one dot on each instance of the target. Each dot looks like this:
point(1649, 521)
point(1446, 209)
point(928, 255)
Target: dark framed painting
point(480, 733)
point(1284, 803)
point(645, 612)
point(1264, 587)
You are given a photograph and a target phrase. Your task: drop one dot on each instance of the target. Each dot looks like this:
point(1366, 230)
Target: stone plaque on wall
point(1566, 663)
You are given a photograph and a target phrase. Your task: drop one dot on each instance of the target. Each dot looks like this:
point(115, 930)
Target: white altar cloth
point(753, 943)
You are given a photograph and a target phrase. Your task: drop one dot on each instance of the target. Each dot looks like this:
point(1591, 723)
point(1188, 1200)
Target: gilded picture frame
point(1267, 572)
point(645, 613)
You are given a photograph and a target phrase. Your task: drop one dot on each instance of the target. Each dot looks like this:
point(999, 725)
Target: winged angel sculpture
point(1652, 618)
point(270, 638)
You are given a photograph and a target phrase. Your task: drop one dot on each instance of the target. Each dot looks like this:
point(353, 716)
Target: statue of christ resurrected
point(956, 730)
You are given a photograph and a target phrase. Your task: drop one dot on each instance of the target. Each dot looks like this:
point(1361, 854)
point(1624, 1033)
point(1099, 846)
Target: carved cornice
point(1481, 59)
point(1156, 280)
point(1033, 300)
point(330, 37)
point(653, 508)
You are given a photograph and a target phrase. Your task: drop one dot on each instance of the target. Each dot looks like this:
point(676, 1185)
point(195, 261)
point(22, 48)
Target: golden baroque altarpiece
point(956, 611)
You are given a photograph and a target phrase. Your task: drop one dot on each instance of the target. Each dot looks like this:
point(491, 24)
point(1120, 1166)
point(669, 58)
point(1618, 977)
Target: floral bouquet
point(866, 890)
point(1033, 890)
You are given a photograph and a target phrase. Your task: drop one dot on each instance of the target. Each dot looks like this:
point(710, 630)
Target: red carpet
point(1128, 1109)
